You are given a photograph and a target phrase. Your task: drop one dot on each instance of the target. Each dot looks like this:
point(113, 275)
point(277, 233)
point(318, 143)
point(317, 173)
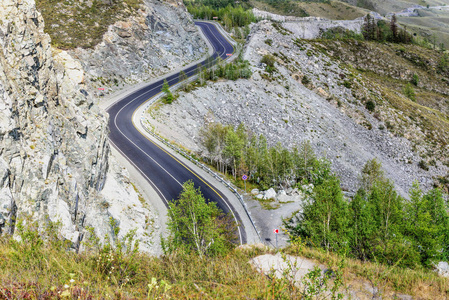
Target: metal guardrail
point(189, 157)
point(197, 163)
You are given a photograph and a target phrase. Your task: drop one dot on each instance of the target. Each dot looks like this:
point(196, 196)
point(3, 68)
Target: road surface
point(163, 171)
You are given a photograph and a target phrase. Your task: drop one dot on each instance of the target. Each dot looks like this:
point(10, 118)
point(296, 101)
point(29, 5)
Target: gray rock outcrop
point(442, 269)
point(158, 39)
point(310, 27)
point(54, 150)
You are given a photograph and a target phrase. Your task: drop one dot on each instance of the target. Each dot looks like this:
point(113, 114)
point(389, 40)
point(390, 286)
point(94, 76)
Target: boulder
point(283, 198)
point(279, 266)
point(442, 268)
point(270, 194)
point(255, 192)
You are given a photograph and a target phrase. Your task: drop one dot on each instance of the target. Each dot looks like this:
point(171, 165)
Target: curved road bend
point(164, 172)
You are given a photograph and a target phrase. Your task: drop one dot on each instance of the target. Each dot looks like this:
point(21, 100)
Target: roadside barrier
point(188, 156)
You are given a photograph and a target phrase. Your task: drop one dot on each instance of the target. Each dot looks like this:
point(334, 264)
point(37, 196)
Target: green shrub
point(370, 105)
point(305, 80)
point(423, 165)
point(269, 61)
point(409, 92)
point(269, 42)
point(415, 80)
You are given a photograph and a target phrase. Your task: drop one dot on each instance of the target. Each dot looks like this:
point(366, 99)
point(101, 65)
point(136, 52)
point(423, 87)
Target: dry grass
point(72, 24)
point(36, 270)
point(389, 280)
point(335, 10)
point(386, 69)
point(46, 272)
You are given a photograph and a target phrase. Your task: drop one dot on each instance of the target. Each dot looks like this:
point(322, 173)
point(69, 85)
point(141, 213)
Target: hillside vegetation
point(335, 10)
point(408, 85)
point(37, 268)
point(72, 24)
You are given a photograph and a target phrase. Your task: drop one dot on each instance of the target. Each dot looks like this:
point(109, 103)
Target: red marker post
point(276, 231)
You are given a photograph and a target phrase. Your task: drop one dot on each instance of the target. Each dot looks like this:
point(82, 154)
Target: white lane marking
point(157, 86)
point(152, 183)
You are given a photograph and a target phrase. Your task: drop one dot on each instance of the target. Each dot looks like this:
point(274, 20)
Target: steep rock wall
point(159, 38)
point(54, 150)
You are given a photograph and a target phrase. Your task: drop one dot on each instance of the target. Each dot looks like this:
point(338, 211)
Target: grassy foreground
point(33, 269)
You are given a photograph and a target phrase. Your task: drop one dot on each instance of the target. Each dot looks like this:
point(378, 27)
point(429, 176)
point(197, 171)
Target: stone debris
point(55, 161)
point(157, 39)
point(276, 265)
point(442, 268)
point(284, 109)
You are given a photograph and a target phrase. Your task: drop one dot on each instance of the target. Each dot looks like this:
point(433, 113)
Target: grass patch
point(38, 269)
point(269, 204)
point(417, 112)
point(421, 283)
point(72, 24)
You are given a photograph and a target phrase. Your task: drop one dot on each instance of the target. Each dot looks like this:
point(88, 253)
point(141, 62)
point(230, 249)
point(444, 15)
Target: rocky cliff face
point(159, 38)
point(54, 151)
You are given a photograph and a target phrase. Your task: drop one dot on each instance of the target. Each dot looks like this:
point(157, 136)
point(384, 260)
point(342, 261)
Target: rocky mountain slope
point(54, 151)
point(145, 40)
point(319, 93)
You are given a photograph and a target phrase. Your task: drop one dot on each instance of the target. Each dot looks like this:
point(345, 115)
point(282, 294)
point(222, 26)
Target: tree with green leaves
point(199, 72)
point(421, 226)
point(409, 92)
point(324, 221)
point(168, 98)
point(371, 173)
point(363, 226)
point(233, 150)
point(198, 226)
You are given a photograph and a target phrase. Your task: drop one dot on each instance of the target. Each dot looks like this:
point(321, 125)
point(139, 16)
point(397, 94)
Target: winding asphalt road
point(163, 171)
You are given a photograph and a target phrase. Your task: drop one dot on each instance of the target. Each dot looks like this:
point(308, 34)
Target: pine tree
point(421, 226)
point(394, 28)
point(369, 28)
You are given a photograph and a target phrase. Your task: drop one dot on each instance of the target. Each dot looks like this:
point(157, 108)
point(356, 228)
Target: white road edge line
point(156, 87)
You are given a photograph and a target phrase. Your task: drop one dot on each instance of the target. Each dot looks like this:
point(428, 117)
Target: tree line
point(377, 224)
point(239, 68)
point(238, 151)
point(211, 70)
point(230, 16)
point(381, 31)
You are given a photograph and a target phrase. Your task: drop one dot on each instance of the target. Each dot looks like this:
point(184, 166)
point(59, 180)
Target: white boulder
point(269, 194)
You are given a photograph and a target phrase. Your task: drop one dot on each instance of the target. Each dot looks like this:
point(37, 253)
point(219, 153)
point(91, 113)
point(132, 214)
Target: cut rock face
point(157, 39)
point(54, 158)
